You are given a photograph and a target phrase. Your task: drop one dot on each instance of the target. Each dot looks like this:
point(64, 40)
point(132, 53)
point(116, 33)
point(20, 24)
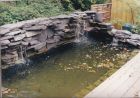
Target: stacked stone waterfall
point(27, 38)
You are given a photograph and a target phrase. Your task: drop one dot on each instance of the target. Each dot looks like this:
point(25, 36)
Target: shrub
point(24, 10)
point(28, 9)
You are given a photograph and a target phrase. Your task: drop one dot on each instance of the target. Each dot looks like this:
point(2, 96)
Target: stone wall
point(24, 39)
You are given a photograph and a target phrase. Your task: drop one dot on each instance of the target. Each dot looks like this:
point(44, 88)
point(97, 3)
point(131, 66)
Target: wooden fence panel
point(121, 12)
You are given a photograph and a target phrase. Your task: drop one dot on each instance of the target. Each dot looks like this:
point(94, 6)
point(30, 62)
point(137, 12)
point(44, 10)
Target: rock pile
point(125, 37)
point(26, 38)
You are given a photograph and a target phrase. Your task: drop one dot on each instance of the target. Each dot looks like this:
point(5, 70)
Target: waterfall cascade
point(40, 35)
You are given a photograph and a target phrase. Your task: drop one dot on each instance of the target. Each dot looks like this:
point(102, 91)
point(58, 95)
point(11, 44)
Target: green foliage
point(77, 4)
point(28, 9)
point(10, 14)
point(100, 1)
point(24, 10)
point(67, 5)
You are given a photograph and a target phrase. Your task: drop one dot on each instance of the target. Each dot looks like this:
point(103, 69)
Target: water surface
point(66, 70)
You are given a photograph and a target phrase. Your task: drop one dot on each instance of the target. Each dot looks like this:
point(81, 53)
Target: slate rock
point(32, 28)
point(24, 43)
point(60, 33)
point(50, 41)
point(39, 46)
point(57, 38)
point(5, 42)
point(15, 43)
point(43, 36)
point(34, 42)
point(15, 32)
point(32, 33)
point(19, 37)
point(135, 36)
point(133, 42)
point(6, 38)
point(4, 47)
point(4, 31)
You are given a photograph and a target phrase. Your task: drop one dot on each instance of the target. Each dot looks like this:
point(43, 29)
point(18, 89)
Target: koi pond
point(66, 70)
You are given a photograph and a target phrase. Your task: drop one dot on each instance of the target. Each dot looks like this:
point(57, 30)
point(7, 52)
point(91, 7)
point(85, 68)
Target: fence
point(122, 13)
point(104, 9)
point(118, 12)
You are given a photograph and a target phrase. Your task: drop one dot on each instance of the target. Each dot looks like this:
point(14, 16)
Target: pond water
point(64, 71)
